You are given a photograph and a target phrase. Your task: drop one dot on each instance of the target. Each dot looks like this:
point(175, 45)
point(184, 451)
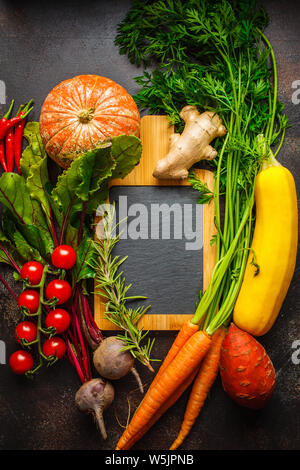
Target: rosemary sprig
point(111, 286)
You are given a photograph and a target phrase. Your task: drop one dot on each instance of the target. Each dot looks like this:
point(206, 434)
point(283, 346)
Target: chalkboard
point(163, 239)
point(166, 236)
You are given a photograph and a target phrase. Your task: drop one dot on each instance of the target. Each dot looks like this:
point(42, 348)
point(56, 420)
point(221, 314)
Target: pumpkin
point(82, 112)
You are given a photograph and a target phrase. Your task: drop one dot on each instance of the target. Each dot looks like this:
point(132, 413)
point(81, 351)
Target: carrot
point(186, 331)
point(170, 402)
point(202, 385)
point(182, 366)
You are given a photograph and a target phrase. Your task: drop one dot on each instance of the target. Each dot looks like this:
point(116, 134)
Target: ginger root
point(192, 145)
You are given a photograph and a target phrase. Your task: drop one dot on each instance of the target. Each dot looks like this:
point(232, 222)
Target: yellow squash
point(275, 247)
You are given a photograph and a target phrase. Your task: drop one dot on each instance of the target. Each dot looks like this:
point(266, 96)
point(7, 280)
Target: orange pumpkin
point(80, 113)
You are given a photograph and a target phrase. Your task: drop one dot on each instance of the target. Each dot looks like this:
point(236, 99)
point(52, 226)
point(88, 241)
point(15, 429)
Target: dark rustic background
point(42, 43)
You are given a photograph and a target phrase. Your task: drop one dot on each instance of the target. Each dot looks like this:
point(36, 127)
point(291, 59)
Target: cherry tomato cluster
point(57, 321)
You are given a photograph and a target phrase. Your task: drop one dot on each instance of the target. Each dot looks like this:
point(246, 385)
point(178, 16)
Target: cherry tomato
point(63, 257)
point(29, 299)
point(54, 346)
point(59, 319)
point(20, 362)
point(59, 289)
point(26, 330)
point(32, 271)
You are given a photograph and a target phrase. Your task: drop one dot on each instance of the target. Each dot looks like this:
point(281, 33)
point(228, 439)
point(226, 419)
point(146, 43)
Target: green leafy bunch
point(207, 54)
point(213, 55)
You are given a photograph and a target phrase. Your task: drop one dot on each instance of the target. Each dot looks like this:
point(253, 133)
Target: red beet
point(247, 372)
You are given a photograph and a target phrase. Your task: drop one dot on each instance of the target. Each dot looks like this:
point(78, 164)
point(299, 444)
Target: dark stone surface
point(43, 43)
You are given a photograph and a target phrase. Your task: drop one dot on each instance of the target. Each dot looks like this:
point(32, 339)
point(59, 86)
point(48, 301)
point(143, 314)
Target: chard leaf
point(35, 149)
point(127, 151)
point(26, 212)
point(15, 196)
point(85, 258)
point(87, 178)
point(94, 167)
point(34, 168)
point(6, 246)
point(20, 247)
point(27, 251)
point(84, 182)
point(39, 239)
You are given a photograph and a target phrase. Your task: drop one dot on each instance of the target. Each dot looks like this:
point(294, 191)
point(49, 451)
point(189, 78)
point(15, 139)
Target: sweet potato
point(247, 373)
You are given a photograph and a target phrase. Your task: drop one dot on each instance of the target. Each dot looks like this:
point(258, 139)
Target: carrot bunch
point(180, 363)
point(193, 354)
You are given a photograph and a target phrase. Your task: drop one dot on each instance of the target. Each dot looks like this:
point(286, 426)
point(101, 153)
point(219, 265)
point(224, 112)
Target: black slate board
point(162, 263)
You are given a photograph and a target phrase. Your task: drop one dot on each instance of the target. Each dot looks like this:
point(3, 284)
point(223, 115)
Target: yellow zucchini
point(274, 245)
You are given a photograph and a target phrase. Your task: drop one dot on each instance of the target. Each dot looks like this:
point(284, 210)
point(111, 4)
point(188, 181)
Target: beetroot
point(94, 397)
point(247, 373)
point(112, 362)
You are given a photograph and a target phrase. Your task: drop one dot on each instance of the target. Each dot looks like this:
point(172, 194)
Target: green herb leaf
point(35, 149)
point(85, 260)
point(34, 168)
point(83, 181)
point(14, 195)
point(26, 212)
point(126, 151)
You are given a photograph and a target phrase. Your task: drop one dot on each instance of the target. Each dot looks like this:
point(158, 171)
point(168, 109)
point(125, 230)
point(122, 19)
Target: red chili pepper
point(6, 124)
point(5, 119)
point(2, 155)
point(3, 124)
point(9, 148)
point(19, 128)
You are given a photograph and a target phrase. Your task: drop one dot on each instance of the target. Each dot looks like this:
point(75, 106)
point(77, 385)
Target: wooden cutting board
point(155, 132)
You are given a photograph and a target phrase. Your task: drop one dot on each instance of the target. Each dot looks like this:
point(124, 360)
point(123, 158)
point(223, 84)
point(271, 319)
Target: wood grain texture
point(155, 132)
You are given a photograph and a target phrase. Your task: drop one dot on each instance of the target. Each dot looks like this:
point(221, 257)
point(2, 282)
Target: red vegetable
point(9, 148)
point(59, 319)
point(4, 120)
point(32, 271)
point(247, 373)
point(63, 257)
point(54, 346)
point(19, 128)
point(29, 299)
point(58, 289)
point(3, 125)
point(2, 155)
point(6, 124)
point(26, 330)
point(21, 362)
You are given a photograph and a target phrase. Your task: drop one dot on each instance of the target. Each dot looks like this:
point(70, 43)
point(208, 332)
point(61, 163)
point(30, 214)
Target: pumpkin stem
point(86, 115)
